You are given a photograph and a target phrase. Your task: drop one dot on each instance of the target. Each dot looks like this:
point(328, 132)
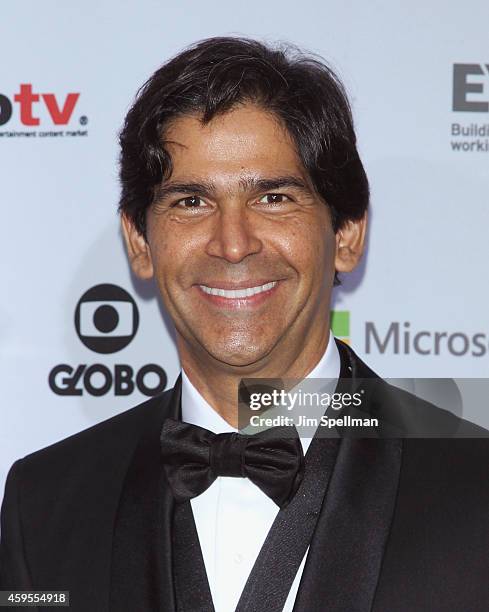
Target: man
point(243, 195)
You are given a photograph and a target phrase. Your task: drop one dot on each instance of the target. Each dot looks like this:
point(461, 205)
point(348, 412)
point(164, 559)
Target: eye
point(188, 202)
point(274, 198)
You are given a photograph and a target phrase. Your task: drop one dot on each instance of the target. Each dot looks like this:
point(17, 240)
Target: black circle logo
point(106, 318)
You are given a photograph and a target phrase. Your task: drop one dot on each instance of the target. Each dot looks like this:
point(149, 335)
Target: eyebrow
point(205, 188)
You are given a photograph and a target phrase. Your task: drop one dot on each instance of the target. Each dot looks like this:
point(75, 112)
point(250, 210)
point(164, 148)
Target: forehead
point(245, 140)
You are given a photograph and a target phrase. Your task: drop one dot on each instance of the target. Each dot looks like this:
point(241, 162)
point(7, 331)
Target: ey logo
point(470, 84)
point(340, 324)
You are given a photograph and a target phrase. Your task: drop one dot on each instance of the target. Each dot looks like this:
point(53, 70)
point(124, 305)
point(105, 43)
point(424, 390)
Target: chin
point(238, 354)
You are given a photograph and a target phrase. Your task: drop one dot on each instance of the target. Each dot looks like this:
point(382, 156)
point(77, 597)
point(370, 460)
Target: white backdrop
point(426, 265)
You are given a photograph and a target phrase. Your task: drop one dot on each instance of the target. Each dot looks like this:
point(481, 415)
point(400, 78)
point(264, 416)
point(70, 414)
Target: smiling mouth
point(233, 294)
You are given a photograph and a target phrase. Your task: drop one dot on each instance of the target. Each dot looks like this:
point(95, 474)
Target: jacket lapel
point(344, 560)
point(141, 574)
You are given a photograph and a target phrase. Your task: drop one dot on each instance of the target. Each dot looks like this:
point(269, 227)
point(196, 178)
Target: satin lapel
point(344, 560)
point(351, 364)
point(142, 577)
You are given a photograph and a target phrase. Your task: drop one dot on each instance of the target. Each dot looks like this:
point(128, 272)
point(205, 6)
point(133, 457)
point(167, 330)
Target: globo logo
point(98, 379)
point(106, 320)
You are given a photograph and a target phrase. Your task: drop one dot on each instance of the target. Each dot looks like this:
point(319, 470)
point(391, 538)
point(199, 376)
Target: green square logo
point(340, 323)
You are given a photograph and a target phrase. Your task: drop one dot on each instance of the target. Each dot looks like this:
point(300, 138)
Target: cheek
point(310, 248)
point(169, 250)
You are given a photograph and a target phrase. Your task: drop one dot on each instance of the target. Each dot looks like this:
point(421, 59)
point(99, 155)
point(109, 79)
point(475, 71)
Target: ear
point(350, 241)
point(137, 249)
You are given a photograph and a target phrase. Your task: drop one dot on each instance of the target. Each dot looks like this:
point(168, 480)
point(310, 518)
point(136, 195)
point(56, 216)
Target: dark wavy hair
point(214, 75)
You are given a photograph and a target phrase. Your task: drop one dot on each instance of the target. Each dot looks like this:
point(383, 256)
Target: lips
point(238, 293)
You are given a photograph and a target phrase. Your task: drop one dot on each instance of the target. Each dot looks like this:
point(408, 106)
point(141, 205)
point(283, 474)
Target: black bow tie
point(194, 457)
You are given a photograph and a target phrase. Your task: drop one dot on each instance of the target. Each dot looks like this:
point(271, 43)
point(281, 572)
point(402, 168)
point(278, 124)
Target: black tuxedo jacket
point(404, 526)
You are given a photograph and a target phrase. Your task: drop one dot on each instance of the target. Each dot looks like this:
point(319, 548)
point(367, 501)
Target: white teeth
point(238, 293)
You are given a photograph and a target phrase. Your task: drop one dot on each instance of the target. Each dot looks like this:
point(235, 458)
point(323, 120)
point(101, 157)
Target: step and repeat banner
point(81, 339)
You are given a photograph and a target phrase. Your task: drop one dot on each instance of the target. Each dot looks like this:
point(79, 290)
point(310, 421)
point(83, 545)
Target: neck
point(218, 382)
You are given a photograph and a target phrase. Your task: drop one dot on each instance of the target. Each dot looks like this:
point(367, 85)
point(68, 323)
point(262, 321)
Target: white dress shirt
point(233, 516)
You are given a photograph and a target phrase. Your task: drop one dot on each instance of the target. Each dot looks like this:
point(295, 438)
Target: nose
point(234, 234)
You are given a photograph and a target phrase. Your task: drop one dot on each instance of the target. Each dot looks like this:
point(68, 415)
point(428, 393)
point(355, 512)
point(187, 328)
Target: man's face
point(236, 213)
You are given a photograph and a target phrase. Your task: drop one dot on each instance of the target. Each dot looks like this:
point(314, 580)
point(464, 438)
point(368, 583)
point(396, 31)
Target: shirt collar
point(197, 411)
